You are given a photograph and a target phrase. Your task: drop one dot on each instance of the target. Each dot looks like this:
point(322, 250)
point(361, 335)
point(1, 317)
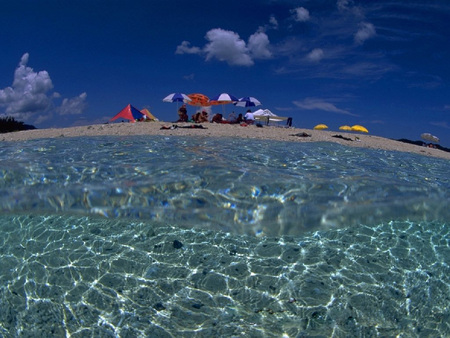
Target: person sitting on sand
point(249, 117)
point(240, 118)
point(218, 118)
point(196, 117)
point(203, 117)
point(232, 117)
point(182, 114)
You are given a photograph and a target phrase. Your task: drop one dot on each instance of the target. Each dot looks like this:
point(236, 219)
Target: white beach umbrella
point(429, 137)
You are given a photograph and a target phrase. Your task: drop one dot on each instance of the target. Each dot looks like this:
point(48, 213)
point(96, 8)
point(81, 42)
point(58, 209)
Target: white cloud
point(366, 31)
point(301, 14)
point(318, 104)
point(443, 124)
point(347, 6)
point(42, 118)
point(184, 48)
point(28, 92)
point(258, 45)
point(273, 22)
point(189, 77)
point(227, 46)
point(73, 106)
point(315, 55)
point(30, 99)
point(342, 4)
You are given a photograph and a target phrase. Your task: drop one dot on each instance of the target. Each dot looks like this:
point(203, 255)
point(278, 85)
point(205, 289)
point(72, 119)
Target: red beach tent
point(129, 113)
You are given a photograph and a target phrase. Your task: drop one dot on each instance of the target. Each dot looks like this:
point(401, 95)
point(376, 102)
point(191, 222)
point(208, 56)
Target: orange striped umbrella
point(199, 100)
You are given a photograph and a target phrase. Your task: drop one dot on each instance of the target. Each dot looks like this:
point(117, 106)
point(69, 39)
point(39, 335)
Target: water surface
point(240, 186)
point(163, 236)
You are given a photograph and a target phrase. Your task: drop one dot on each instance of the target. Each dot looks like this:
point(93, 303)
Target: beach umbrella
point(248, 101)
point(199, 100)
point(429, 137)
point(321, 127)
point(357, 127)
point(345, 128)
point(223, 98)
point(176, 97)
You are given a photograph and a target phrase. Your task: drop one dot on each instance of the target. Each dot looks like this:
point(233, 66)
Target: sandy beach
point(228, 130)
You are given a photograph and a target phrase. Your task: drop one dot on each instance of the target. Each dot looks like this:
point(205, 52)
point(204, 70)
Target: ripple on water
point(155, 236)
point(67, 275)
point(240, 186)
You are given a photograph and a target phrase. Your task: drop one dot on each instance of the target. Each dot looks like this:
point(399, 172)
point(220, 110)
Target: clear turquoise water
point(163, 236)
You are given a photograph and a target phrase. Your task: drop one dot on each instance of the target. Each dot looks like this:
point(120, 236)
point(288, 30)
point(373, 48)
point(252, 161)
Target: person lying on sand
point(301, 135)
point(342, 137)
point(192, 126)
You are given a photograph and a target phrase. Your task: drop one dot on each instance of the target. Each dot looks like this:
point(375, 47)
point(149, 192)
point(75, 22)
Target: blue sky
point(383, 64)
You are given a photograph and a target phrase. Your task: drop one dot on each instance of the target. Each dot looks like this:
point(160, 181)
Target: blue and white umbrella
point(248, 101)
point(224, 98)
point(177, 97)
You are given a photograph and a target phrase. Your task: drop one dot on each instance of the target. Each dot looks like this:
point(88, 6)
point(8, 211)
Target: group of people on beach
point(203, 116)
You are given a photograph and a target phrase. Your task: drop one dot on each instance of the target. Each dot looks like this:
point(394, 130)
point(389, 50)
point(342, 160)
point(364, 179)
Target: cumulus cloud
point(347, 6)
point(315, 55)
point(227, 46)
point(185, 48)
point(258, 45)
point(366, 31)
point(301, 14)
point(318, 104)
point(273, 22)
point(28, 92)
point(73, 106)
point(30, 97)
point(342, 4)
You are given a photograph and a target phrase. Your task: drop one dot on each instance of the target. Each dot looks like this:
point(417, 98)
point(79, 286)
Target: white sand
point(227, 130)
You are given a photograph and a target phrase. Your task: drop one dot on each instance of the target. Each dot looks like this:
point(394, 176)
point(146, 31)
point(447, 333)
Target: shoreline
point(227, 130)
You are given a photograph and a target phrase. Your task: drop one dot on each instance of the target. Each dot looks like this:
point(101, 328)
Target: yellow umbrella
point(357, 127)
point(321, 127)
point(345, 128)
